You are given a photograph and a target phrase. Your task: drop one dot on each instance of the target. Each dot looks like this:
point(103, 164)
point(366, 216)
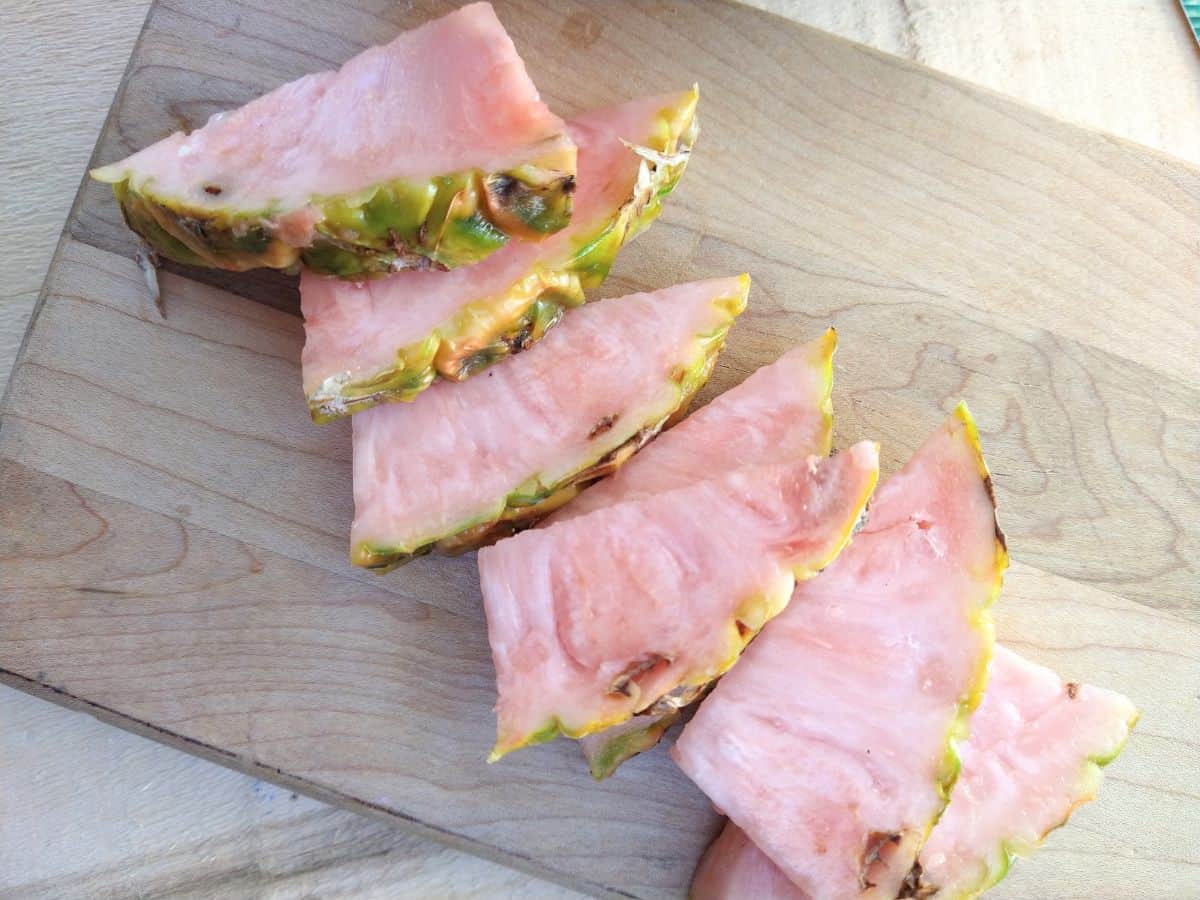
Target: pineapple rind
point(754, 612)
point(492, 328)
point(997, 867)
point(441, 222)
point(532, 500)
point(604, 761)
point(959, 728)
point(629, 744)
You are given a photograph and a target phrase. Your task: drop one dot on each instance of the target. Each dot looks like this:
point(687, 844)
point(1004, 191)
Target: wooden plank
point(347, 693)
point(383, 704)
point(901, 190)
point(883, 171)
point(1046, 54)
point(965, 247)
point(1090, 450)
point(96, 400)
point(183, 829)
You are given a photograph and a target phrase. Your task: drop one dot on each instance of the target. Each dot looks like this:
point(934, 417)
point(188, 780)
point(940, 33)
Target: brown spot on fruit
point(990, 488)
point(877, 842)
point(503, 187)
point(518, 341)
point(626, 683)
point(914, 887)
point(213, 190)
point(1072, 689)
point(602, 426)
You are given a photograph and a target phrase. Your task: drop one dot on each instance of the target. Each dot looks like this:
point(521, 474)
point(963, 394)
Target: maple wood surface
point(174, 529)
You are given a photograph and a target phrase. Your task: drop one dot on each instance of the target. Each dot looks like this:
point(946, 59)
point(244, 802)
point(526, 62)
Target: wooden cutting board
point(173, 529)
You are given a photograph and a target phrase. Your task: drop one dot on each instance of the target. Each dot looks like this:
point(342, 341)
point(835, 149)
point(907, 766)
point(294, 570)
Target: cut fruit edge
point(376, 217)
point(733, 861)
point(527, 503)
point(605, 752)
point(766, 607)
point(489, 329)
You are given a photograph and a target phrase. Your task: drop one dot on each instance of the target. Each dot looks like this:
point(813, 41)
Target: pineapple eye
point(628, 682)
point(603, 426)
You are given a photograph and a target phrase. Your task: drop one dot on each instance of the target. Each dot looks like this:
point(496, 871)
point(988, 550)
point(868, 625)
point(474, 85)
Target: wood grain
point(382, 704)
point(314, 680)
point(50, 114)
point(963, 245)
point(118, 816)
point(1046, 54)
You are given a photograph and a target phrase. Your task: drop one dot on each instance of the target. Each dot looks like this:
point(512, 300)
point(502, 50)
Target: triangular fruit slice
point(782, 412)
point(595, 619)
point(468, 463)
point(732, 868)
point(386, 340)
point(832, 744)
point(429, 151)
point(1035, 753)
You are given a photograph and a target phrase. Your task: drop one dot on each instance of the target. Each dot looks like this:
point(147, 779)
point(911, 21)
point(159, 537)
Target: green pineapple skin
point(997, 868)
point(664, 158)
point(959, 726)
point(609, 756)
point(617, 750)
point(442, 222)
point(529, 502)
point(417, 366)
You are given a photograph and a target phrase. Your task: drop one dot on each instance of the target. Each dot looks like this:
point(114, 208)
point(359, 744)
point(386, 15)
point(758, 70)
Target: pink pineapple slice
point(1035, 753)
point(428, 151)
point(470, 462)
point(386, 340)
point(732, 868)
point(595, 619)
point(782, 412)
point(832, 743)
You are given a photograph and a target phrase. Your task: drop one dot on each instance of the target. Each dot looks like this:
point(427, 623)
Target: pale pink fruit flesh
point(449, 96)
point(830, 742)
point(1034, 755)
point(732, 868)
point(447, 462)
point(356, 328)
point(594, 619)
point(782, 412)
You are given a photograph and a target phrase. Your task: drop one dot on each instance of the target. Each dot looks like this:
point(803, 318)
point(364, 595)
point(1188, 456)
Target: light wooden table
point(86, 810)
